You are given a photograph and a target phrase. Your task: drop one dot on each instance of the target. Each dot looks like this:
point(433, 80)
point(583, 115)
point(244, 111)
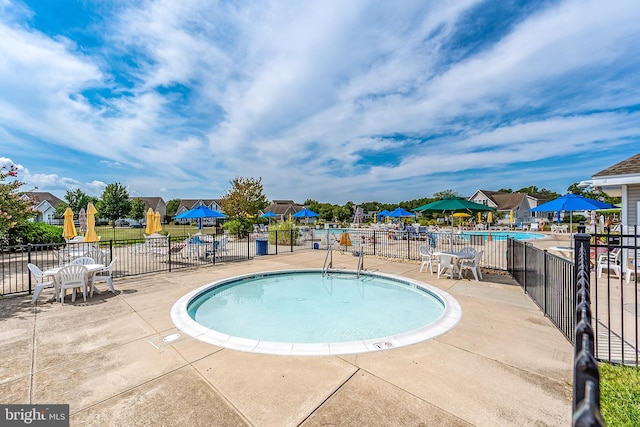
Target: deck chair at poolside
point(426, 252)
point(473, 265)
point(41, 282)
point(609, 261)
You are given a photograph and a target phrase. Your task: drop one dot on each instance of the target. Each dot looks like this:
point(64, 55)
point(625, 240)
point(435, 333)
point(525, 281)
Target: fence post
point(28, 261)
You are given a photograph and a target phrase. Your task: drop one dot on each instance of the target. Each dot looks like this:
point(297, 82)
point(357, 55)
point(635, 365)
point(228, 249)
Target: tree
point(114, 203)
point(446, 193)
point(15, 206)
point(245, 197)
point(137, 209)
point(172, 207)
point(77, 200)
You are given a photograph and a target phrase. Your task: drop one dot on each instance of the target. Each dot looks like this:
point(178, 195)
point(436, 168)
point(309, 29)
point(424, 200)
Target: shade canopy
point(453, 205)
point(380, 214)
point(269, 215)
point(69, 229)
point(462, 215)
point(400, 213)
point(305, 213)
point(572, 202)
point(90, 235)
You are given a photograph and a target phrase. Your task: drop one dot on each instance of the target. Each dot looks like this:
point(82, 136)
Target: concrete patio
point(503, 364)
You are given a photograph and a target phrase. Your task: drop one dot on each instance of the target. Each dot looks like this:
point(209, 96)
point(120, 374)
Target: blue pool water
point(502, 235)
point(299, 311)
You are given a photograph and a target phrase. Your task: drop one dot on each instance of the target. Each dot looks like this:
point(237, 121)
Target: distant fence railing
point(169, 253)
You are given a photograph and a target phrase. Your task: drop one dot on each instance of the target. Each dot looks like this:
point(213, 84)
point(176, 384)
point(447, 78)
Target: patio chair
point(446, 262)
point(83, 260)
point(96, 255)
point(105, 275)
point(426, 252)
point(41, 282)
point(473, 265)
point(609, 261)
point(73, 277)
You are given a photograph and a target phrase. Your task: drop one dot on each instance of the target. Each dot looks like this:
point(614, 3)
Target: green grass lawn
point(620, 394)
point(125, 233)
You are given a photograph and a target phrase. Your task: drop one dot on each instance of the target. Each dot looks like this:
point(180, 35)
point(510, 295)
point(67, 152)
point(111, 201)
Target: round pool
point(303, 312)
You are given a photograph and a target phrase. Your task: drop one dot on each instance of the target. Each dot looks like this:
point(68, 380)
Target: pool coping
point(450, 317)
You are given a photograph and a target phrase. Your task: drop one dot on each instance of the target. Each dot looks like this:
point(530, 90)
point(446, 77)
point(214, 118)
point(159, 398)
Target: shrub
point(238, 226)
point(34, 233)
point(284, 231)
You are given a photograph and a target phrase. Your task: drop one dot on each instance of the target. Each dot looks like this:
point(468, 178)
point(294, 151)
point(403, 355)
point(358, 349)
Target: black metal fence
point(164, 253)
point(586, 379)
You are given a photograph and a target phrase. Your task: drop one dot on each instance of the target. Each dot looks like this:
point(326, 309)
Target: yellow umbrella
point(157, 226)
point(489, 217)
point(461, 215)
point(69, 229)
point(511, 216)
point(90, 235)
point(150, 228)
point(375, 217)
point(479, 217)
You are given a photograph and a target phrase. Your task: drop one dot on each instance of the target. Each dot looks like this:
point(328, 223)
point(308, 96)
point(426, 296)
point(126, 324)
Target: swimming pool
point(502, 235)
point(302, 312)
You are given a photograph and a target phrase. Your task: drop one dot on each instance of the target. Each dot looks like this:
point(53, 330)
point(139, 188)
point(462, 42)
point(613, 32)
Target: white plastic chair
point(105, 275)
point(83, 260)
point(446, 262)
point(609, 261)
point(73, 277)
point(41, 283)
point(469, 250)
point(427, 257)
point(473, 265)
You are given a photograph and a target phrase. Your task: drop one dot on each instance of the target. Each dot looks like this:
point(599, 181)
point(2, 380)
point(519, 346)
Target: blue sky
point(330, 100)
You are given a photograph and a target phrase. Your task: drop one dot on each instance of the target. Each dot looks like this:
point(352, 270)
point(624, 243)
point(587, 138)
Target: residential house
point(45, 206)
point(156, 204)
point(520, 203)
point(621, 180)
point(284, 208)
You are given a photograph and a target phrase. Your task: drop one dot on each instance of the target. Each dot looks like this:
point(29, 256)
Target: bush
point(240, 227)
point(34, 233)
point(284, 231)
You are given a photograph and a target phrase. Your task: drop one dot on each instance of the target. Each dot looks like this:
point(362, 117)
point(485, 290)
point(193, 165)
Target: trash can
point(316, 246)
point(262, 246)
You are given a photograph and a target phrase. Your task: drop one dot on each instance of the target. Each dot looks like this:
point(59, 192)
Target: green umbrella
point(451, 205)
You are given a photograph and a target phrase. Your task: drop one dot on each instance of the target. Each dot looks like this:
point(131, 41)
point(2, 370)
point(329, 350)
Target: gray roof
point(630, 166)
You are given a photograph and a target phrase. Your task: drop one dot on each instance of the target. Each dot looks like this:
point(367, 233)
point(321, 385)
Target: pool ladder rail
point(328, 261)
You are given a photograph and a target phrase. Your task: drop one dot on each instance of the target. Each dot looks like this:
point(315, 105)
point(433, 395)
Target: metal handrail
point(360, 261)
point(327, 257)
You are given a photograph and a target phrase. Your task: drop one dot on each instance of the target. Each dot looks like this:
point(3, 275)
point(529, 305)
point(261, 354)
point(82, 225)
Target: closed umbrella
point(82, 220)
point(157, 225)
point(489, 218)
point(510, 217)
point(90, 235)
point(69, 229)
point(150, 227)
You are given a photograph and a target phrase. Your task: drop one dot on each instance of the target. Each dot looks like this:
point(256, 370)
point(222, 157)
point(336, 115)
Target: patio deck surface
point(503, 364)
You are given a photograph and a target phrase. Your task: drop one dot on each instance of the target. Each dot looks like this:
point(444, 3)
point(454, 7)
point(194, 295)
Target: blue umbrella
point(269, 215)
point(401, 213)
point(382, 213)
point(305, 213)
point(570, 203)
point(200, 212)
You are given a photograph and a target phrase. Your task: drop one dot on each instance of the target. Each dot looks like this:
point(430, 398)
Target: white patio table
point(93, 269)
point(456, 258)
